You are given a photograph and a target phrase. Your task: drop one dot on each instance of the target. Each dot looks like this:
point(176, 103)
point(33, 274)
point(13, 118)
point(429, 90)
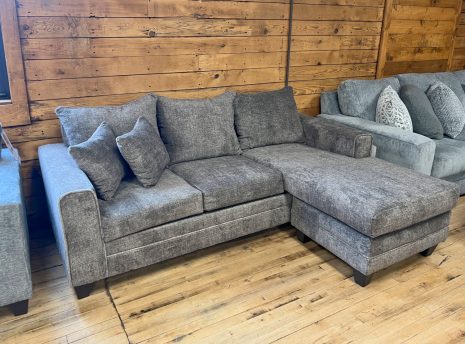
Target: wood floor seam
point(107, 289)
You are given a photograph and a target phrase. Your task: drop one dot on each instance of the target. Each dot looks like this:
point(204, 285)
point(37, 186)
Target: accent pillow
point(448, 108)
point(79, 123)
point(267, 118)
point(424, 120)
point(144, 151)
point(391, 111)
point(195, 129)
point(358, 98)
point(99, 158)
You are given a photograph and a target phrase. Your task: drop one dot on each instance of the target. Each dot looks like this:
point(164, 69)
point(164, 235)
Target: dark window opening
point(4, 84)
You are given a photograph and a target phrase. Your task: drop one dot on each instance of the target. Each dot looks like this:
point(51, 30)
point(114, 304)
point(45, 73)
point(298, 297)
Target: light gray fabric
point(449, 159)
point(212, 234)
point(79, 123)
point(329, 103)
point(448, 108)
point(390, 110)
point(363, 253)
point(198, 128)
point(101, 161)
point(144, 151)
point(135, 208)
point(334, 137)
point(453, 83)
point(461, 136)
point(15, 270)
point(421, 80)
point(230, 180)
point(370, 195)
point(460, 183)
point(460, 75)
point(267, 118)
point(395, 145)
point(423, 118)
point(195, 224)
point(74, 215)
point(358, 98)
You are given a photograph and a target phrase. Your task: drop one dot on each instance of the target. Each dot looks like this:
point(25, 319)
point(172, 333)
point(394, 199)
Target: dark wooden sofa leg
point(20, 307)
point(302, 237)
point(428, 252)
point(361, 279)
point(83, 291)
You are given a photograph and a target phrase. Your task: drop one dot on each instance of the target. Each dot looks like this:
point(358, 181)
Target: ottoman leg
point(428, 252)
point(83, 291)
point(302, 237)
point(361, 279)
point(19, 308)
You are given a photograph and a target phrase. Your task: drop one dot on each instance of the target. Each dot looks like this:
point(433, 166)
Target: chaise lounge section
point(220, 185)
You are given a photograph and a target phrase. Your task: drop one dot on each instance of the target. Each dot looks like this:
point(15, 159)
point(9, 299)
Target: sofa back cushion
point(195, 129)
point(79, 123)
point(358, 98)
point(267, 118)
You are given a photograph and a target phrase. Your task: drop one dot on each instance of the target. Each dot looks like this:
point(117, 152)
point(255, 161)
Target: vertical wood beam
point(382, 50)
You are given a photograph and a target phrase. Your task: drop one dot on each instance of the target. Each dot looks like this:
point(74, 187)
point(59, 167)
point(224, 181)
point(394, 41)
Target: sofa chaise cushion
point(359, 98)
point(449, 158)
point(230, 180)
point(79, 123)
point(198, 128)
point(267, 118)
point(370, 195)
point(135, 208)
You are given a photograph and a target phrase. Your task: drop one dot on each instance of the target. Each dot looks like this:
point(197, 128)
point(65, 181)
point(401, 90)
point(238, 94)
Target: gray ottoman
point(15, 270)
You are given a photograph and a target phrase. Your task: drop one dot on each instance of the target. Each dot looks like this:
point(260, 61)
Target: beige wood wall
point(89, 52)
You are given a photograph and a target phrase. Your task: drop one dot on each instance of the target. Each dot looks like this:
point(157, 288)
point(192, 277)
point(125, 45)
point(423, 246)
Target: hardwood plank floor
point(266, 288)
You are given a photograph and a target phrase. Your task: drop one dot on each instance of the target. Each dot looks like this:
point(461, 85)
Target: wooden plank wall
point(418, 36)
point(88, 52)
point(458, 58)
point(330, 43)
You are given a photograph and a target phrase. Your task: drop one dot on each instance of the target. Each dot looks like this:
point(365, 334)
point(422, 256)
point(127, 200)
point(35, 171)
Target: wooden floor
point(261, 289)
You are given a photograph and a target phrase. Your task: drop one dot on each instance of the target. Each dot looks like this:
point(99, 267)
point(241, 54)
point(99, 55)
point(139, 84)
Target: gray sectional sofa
point(354, 104)
point(255, 164)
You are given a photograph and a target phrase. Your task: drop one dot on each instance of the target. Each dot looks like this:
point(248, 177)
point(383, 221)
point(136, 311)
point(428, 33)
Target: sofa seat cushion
point(370, 195)
point(135, 208)
point(449, 158)
point(230, 180)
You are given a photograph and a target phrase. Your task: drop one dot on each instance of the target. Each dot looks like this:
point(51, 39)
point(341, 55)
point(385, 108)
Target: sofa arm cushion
point(337, 138)
point(74, 215)
point(395, 145)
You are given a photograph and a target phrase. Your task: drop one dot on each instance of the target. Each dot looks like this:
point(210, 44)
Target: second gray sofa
point(243, 167)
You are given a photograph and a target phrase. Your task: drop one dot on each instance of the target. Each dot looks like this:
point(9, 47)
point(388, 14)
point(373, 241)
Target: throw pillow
point(144, 151)
point(79, 123)
point(267, 118)
point(424, 120)
point(99, 158)
point(195, 129)
point(391, 111)
point(448, 108)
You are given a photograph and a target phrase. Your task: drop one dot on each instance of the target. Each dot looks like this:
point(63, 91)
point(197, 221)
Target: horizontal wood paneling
point(458, 58)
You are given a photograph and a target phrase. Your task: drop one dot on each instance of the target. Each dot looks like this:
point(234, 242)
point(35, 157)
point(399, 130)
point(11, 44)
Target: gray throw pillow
point(99, 158)
point(144, 151)
point(195, 129)
point(391, 111)
point(79, 123)
point(267, 118)
point(448, 109)
point(424, 120)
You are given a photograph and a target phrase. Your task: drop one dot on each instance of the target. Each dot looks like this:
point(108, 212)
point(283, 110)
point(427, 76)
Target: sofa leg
point(361, 279)
point(83, 291)
point(19, 308)
point(428, 252)
point(302, 237)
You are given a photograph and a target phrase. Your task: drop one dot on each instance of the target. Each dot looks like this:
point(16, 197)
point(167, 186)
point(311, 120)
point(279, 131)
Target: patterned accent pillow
point(448, 108)
point(99, 158)
point(391, 111)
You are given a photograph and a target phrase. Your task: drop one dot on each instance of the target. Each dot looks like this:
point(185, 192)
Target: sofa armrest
point(337, 138)
point(74, 214)
point(395, 145)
